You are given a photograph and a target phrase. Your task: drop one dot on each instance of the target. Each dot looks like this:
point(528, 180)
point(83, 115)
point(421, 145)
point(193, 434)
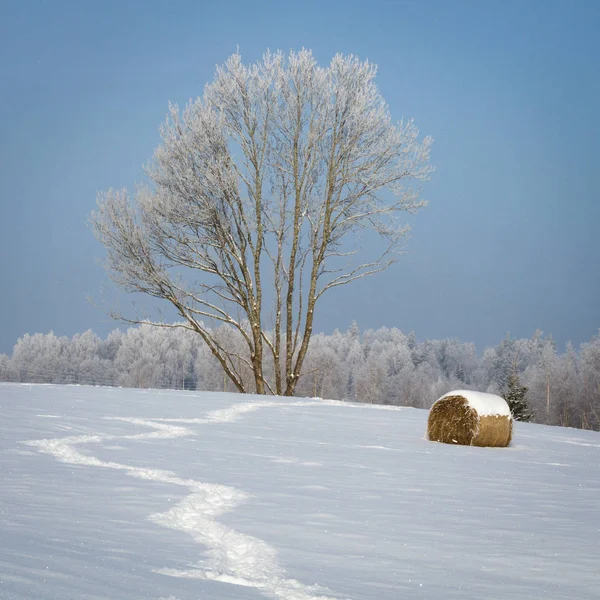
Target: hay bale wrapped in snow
point(471, 419)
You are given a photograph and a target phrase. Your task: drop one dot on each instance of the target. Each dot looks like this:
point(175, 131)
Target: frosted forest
point(383, 366)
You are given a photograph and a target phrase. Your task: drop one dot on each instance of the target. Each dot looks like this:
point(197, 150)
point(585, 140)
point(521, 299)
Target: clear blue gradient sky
point(510, 90)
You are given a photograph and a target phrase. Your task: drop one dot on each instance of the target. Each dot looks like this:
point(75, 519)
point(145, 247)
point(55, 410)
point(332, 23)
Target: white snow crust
point(178, 496)
point(486, 405)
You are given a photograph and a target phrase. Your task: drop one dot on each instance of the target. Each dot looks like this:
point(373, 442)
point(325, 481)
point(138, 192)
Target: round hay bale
point(471, 419)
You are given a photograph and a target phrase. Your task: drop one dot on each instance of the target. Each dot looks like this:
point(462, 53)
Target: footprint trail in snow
point(231, 556)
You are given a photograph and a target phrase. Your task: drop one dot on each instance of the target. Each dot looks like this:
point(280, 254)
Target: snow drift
point(118, 493)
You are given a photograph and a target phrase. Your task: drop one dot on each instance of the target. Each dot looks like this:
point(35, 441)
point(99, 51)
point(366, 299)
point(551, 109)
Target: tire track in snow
point(232, 557)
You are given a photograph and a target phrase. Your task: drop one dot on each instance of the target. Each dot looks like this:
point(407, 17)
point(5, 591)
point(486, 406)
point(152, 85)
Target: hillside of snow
point(121, 494)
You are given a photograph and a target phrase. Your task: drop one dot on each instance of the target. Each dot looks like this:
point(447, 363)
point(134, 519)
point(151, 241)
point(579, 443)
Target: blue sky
point(509, 90)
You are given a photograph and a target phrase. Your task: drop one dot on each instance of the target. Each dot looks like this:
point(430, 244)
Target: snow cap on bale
point(471, 419)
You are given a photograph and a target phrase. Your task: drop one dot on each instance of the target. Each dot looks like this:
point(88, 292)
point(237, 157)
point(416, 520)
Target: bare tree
point(256, 197)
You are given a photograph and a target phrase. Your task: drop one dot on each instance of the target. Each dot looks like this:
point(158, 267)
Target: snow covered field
point(121, 494)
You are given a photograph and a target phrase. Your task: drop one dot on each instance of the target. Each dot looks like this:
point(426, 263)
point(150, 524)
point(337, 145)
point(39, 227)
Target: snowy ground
point(121, 494)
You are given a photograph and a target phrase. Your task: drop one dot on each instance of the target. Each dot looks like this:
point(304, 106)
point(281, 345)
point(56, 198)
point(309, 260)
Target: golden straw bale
point(453, 419)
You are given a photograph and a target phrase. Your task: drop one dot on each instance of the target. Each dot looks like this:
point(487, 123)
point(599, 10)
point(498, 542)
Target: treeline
point(382, 366)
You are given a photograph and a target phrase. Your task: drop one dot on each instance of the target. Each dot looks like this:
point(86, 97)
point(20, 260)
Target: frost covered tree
point(326, 374)
point(540, 376)
point(150, 357)
point(84, 361)
point(255, 200)
point(41, 358)
point(590, 375)
point(566, 390)
point(7, 371)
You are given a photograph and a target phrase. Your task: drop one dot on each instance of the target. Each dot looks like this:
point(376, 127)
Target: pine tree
point(515, 396)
